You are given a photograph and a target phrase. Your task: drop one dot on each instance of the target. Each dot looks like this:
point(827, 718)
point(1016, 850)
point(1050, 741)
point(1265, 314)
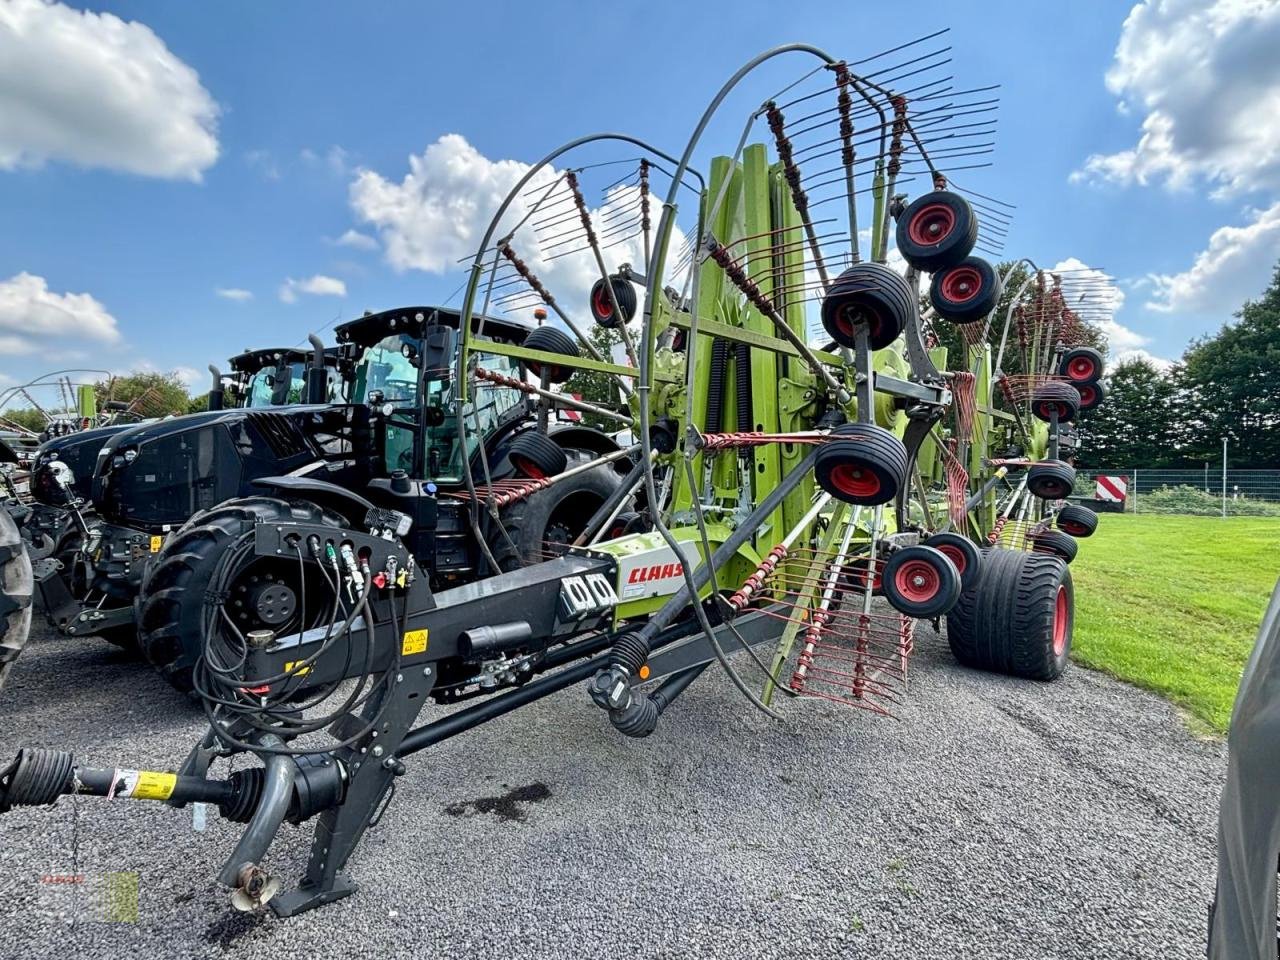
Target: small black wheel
point(551, 340)
point(966, 292)
point(862, 464)
point(536, 455)
point(1056, 543)
point(1019, 620)
point(1081, 365)
point(1055, 396)
point(937, 230)
point(1051, 479)
point(602, 307)
point(869, 294)
point(1091, 395)
point(1077, 521)
point(628, 522)
point(963, 554)
point(920, 582)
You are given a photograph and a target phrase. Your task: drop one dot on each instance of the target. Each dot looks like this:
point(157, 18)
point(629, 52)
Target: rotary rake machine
point(807, 481)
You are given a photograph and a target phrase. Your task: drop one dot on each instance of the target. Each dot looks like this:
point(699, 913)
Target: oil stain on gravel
point(509, 806)
point(230, 927)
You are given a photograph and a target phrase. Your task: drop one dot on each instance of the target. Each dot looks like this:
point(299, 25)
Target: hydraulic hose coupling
point(611, 687)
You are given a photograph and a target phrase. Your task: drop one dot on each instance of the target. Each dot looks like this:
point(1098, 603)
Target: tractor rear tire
point(16, 586)
point(172, 598)
point(553, 515)
point(1019, 620)
point(938, 230)
point(1077, 521)
point(551, 340)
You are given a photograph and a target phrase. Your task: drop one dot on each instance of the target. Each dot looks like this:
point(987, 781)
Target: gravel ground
point(992, 818)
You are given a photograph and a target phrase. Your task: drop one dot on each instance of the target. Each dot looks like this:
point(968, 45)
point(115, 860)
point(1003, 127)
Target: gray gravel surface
point(992, 818)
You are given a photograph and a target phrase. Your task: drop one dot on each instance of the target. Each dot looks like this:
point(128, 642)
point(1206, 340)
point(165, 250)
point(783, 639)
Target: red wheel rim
point(854, 480)
point(961, 284)
point(848, 318)
point(931, 225)
point(1049, 407)
point(1073, 528)
point(528, 467)
point(917, 581)
point(1081, 368)
point(1087, 394)
point(600, 304)
point(955, 555)
point(1061, 617)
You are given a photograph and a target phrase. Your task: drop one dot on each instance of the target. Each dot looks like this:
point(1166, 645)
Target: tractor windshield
point(489, 404)
point(388, 368)
point(275, 386)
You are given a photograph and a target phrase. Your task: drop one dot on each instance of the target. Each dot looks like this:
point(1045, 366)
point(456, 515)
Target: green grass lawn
point(1173, 604)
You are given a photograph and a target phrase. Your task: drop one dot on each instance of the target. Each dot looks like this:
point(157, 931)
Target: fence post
point(1224, 478)
point(1135, 491)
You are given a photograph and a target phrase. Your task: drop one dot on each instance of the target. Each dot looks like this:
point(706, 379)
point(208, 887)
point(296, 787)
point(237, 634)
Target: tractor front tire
point(16, 586)
point(1019, 620)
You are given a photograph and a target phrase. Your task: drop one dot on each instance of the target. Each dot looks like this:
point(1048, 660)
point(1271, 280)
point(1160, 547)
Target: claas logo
point(659, 571)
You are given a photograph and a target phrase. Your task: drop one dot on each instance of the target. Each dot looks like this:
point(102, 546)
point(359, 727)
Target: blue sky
point(188, 149)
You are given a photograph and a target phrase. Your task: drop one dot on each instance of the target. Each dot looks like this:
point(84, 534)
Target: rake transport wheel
point(551, 340)
point(1054, 396)
point(1050, 479)
point(1077, 521)
point(545, 522)
point(263, 594)
point(536, 455)
point(1091, 395)
point(16, 587)
point(963, 554)
point(602, 310)
point(1081, 365)
point(921, 582)
point(966, 292)
point(862, 464)
point(1019, 619)
point(937, 230)
point(1055, 543)
point(870, 294)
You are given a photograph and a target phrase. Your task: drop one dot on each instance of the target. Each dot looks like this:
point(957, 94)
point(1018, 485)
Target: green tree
point(150, 394)
point(1141, 422)
point(1233, 379)
point(28, 417)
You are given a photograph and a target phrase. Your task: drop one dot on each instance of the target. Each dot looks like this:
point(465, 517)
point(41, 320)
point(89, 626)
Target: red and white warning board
point(1111, 489)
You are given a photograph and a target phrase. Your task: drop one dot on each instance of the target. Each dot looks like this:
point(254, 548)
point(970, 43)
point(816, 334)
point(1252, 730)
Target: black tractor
point(87, 571)
point(392, 456)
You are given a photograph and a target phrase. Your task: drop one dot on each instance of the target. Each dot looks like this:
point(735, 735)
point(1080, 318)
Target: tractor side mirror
point(437, 352)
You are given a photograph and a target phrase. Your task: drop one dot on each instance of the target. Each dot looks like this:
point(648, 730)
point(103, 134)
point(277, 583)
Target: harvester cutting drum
point(864, 487)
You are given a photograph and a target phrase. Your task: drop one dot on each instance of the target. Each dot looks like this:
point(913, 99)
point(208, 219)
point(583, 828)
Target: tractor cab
point(277, 377)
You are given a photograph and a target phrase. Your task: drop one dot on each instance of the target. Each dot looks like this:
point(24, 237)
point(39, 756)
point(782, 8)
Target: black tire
point(551, 340)
point(1056, 544)
point(1091, 395)
point(920, 582)
point(16, 586)
point(536, 455)
point(1051, 479)
point(1081, 365)
point(870, 294)
point(627, 522)
point(172, 597)
point(964, 555)
point(1013, 623)
point(556, 515)
point(1055, 396)
point(1077, 521)
point(602, 310)
point(862, 464)
point(937, 230)
point(966, 292)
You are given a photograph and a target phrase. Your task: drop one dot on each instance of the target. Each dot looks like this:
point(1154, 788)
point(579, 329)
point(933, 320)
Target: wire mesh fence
point(1203, 492)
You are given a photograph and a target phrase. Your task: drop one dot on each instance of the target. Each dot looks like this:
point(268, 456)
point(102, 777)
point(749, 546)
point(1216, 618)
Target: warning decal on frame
point(156, 543)
point(415, 641)
point(144, 784)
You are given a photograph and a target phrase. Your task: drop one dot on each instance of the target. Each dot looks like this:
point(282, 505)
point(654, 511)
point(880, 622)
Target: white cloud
point(93, 90)
point(234, 293)
point(33, 317)
point(437, 213)
point(1099, 298)
point(318, 286)
point(1236, 265)
point(357, 241)
point(1203, 74)
point(336, 159)
point(263, 163)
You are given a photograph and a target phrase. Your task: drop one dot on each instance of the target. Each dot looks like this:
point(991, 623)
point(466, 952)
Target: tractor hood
point(157, 475)
point(79, 451)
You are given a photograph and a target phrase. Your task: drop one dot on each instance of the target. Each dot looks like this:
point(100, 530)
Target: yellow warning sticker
point(156, 543)
point(415, 641)
point(301, 671)
point(154, 786)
